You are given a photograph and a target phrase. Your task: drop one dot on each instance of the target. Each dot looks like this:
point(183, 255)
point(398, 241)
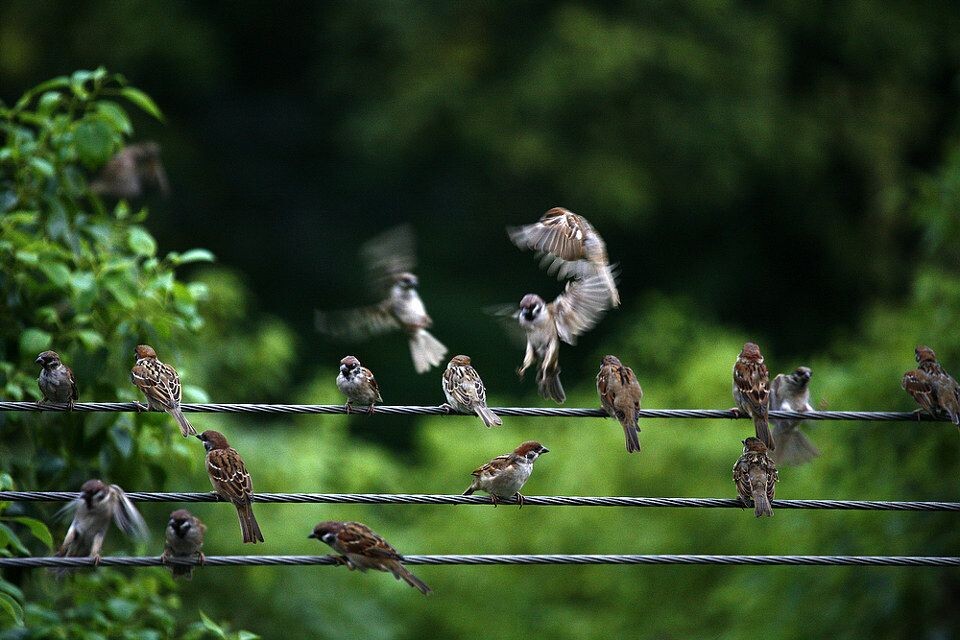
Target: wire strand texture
point(540, 412)
point(545, 501)
point(546, 559)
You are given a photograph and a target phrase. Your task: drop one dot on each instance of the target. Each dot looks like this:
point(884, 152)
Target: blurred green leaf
point(12, 609)
point(141, 242)
point(143, 101)
point(94, 141)
point(34, 341)
point(37, 529)
point(195, 255)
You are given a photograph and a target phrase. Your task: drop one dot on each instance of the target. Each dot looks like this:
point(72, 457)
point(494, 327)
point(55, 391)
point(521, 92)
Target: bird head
point(531, 450)
point(348, 365)
point(213, 440)
point(326, 531)
point(144, 351)
point(48, 360)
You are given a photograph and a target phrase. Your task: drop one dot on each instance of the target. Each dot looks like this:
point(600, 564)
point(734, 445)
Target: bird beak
point(39, 360)
point(312, 535)
point(197, 436)
point(544, 450)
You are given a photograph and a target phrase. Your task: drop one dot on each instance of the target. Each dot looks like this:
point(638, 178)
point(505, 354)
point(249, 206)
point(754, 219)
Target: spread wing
point(158, 381)
point(357, 324)
point(559, 233)
point(388, 254)
point(507, 315)
point(495, 466)
point(229, 476)
point(127, 516)
point(580, 307)
point(918, 384)
point(358, 538)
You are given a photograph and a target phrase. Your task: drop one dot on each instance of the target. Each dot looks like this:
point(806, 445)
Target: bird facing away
point(570, 247)
point(361, 548)
point(230, 480)
point(56, 380)
point(160, 383)
point(791, 392)
point(184, 539)
point(389, 260)
point(464, 390)
point(932, 387)
point(620, 396)
point(132, 172)
point(504, 476)
point(357, 383)
point(98, 504)
point(750, 390)
point(545, 325)
point(755, 476)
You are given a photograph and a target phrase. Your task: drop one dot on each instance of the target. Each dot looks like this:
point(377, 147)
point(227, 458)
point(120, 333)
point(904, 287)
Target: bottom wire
point(152, 561)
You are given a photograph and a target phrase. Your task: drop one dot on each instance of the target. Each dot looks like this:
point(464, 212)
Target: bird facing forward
point(389, 259)
point(755, 476)
point(791, 392)
point(230, 480)
point(570, 246)
point(98, 504)
point(464, 390)
point(357, 383)
point(505, 475)
point(750, 391)
point(362, 549)
point(184, 539)
point(932, 387)
point(571, 314)
point(620, 396)
point(160, 383)
point(56, 380)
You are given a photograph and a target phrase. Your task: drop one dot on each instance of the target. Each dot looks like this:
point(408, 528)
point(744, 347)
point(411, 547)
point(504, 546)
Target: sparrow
point(363, 549)
point(505, 475)
point(932, 387)
point(790, 392)
point(389, 260)
point(620, 396)
point(98, 504)
point(133, 171)
point(750, 378)
point(755, 476)
point(184, 538)
point(357, 383)
point(231, 481)
point(572, 313)
point(464, 390)
point(160, 383)
point(570, 247)
point(56, 380)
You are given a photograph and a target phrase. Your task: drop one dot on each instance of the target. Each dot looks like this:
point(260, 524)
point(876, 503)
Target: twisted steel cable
point(215, 561)
point(546, 501)
point(539, 412)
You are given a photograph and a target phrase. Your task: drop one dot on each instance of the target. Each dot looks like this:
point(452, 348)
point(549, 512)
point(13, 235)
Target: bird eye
point(531, 455)
point(328, 537)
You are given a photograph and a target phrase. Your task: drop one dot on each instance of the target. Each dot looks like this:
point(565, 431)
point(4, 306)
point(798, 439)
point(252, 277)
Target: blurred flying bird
point(56, 380)
point(389, 259)
point(791, 392)
point(750, 378)
point(132, 172)
point(362, 549)
point(755, 476)
point(464, 390)
point(505, 475)
point(620, 396)
point(570, 247)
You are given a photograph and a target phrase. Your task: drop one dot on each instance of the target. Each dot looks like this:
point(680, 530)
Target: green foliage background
point(783, 172)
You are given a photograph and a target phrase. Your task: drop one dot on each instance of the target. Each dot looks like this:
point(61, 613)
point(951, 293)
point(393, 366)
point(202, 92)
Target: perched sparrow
point(570, 245)
point(572, 313)
point(97, 504)
point(464, 390)
point(363, 549)
point(750, 390)
point(357, 383)
point(160, 383)
point(505, 475)
point(133, 171)
point(755, 476)
point(184, 538)
point(56, 380)
point(620, 396)
point(231, 481)
point(389, 259)
point(790, 392)
point(932, 387)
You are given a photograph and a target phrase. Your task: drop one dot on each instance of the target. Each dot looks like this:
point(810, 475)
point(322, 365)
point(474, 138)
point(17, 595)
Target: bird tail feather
point(489, 417)
point(762, 430)
point(186, 429)
point(795, 447)
point(425, 350)
point(248, 524)
point(550, 387)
